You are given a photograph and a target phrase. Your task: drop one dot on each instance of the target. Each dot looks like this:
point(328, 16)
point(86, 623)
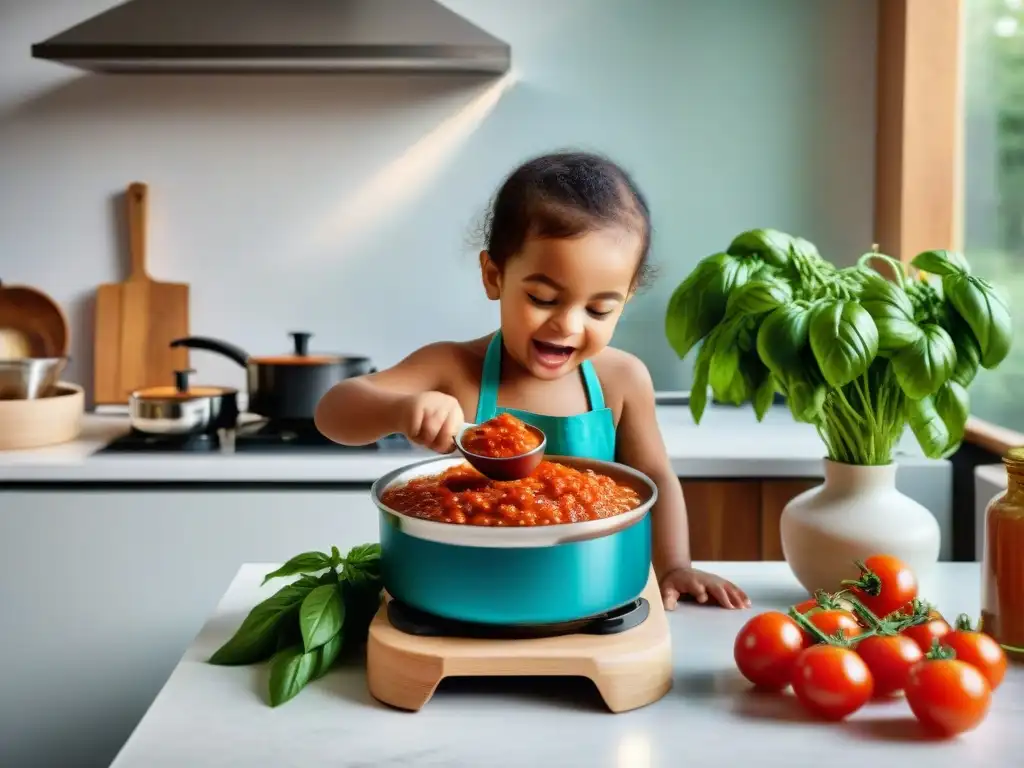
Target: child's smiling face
point(562, 298)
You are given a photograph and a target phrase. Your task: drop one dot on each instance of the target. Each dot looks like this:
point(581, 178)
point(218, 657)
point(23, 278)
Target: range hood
point(272, 36)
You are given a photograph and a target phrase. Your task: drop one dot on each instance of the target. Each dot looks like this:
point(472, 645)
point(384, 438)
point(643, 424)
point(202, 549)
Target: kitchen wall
point(345, 205)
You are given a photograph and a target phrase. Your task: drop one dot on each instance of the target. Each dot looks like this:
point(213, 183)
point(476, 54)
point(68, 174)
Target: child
point(566, 247)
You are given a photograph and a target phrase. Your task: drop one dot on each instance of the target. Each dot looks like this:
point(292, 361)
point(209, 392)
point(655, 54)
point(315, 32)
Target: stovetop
point(296, 437)
point(413, 621)
point(255, 437)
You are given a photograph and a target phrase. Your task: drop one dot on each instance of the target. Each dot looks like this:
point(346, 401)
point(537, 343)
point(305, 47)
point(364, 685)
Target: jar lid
point(1015, 455)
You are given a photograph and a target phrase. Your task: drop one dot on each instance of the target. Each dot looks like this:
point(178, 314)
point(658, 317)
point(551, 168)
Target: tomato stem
point(886, 626)
point(940, 651)
point(963, 623)
point(869, 581)
point(838, 639)
point(864, 613)
point(920, 614)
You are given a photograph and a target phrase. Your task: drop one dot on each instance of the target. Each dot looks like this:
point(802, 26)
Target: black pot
point(286, 387)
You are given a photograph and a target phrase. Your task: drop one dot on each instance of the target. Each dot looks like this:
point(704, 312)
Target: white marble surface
point(215, 716)
point(728, 442)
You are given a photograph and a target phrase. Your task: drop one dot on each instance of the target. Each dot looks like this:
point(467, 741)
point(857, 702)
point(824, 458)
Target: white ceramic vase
point(855, 513)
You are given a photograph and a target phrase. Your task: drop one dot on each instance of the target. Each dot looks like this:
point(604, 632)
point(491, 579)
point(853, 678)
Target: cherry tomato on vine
point(948, 696)
point(980, 651)
point(806, 605)
point(886, 584)
point(889, 657)
point(767, 647)
point(831, 682)
point(832, 620)
point(923, 634)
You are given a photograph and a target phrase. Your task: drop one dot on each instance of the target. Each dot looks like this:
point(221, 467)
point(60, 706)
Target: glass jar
point(1002, 567)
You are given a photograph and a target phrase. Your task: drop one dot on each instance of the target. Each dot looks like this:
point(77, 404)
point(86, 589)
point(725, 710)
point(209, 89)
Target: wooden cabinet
point(738, 519)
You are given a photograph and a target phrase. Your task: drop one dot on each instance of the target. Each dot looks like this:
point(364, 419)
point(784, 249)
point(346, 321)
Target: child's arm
point(639, 445)
point(408, 398)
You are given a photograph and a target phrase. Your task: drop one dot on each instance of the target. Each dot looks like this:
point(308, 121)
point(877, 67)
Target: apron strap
point(593, 386)
point(487, 403)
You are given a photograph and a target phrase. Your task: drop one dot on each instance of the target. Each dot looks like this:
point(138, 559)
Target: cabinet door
point(724, 517)
point(775, 494)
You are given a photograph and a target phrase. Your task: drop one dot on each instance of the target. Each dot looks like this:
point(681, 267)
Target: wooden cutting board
point(137, 319)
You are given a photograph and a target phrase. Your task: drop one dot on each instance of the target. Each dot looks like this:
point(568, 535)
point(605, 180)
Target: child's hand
point(700, 584)
point(432, 419)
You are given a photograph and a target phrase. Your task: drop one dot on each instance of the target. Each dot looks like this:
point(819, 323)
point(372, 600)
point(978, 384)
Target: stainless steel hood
point(271, 36)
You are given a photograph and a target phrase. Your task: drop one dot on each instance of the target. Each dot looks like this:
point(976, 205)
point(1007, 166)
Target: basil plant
point(856, 354)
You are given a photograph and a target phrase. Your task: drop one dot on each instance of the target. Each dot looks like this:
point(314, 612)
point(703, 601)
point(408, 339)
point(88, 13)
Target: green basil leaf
point(941, 262)
point(735, 370)
point(924, 298)
point(925, 365)
point(927, 426)
point(770, 245)
point(782, 340)
point(806, 399)
point(805, 250)
point(856, 277)
point(985, 311)
point(288, 633)
point(698, 304)
point(328, 577)
point(756, 297)
point(725, 376)
point(953, 405)
point(764, 396)
point(256, 638)
point(968, 352)
point(326, 655)
point(307, 562)
point(363, 553)
point(701, 372)
point(321, 616)
point(363, 562)
point(290, 670)
point(844, 340)
point(892, 312)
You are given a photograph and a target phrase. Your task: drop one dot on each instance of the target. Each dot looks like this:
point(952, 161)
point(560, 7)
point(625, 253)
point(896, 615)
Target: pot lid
point(300, 354)
point(181, 390)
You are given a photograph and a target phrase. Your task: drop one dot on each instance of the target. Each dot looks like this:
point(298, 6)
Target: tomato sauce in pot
point(553, 494)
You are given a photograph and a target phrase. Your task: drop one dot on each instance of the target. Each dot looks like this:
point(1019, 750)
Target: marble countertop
point(217, 716)
point(729, 442)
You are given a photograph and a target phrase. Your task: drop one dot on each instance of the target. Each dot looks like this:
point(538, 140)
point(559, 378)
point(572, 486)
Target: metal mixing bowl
point(30, 378)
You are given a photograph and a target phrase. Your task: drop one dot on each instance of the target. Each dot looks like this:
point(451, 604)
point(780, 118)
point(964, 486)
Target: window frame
point(919, 145)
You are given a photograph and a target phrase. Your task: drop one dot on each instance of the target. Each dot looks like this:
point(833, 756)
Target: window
point(993, 189)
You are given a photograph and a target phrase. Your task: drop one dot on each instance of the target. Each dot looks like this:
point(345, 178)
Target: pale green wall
point(274, 195)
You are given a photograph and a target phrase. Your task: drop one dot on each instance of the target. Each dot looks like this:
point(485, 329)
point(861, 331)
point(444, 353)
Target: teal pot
point(516, 576)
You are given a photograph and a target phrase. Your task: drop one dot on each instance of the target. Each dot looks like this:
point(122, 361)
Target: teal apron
point(537, 585)
point(589, 435)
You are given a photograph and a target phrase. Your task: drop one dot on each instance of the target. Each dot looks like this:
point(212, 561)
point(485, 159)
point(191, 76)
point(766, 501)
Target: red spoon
point(505, 468)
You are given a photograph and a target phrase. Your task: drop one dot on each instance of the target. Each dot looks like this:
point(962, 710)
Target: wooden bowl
point(44, 421)
point(31, 324)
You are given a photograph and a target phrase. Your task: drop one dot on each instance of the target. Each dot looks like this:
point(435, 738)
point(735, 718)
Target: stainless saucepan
point(181, 409)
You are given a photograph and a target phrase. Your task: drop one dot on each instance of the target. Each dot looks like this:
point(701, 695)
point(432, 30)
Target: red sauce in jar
point(502, 437)
point(553, 494)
